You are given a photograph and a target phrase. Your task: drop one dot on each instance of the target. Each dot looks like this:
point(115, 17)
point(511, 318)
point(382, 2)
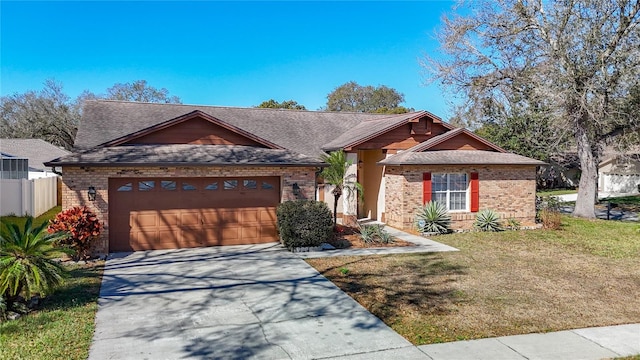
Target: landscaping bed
point(349, 237)
point(514, 282)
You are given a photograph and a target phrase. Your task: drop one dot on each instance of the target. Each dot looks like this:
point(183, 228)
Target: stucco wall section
point(509, 190)
point(76, 181)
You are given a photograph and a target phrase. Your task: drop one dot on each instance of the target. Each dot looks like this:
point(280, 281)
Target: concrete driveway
point(233, 302)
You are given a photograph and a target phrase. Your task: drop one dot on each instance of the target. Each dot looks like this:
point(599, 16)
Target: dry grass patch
point(507, 283)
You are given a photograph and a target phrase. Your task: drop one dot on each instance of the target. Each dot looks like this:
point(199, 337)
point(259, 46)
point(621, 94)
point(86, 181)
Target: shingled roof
point(36, 150)
point(304, 132)
point(185, 154)
point(459, 157)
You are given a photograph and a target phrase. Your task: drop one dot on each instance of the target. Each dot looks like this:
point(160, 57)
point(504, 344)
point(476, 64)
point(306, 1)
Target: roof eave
point(182, 164)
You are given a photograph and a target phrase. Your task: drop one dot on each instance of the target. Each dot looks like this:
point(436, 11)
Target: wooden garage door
point(169, 213)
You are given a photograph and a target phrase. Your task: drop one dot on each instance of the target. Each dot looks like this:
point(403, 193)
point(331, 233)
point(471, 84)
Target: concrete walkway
point(591, 343)
point(232, 302)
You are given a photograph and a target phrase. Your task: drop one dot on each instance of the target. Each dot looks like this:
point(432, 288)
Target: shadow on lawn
point(421, 282)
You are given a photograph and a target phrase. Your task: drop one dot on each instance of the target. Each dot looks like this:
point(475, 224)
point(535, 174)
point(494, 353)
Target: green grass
point(556, 192)
point(20, 220)
point(585, 274)
point(62, 327)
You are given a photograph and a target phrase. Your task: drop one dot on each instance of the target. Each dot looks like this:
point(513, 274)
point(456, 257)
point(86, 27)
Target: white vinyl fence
point(27, 197)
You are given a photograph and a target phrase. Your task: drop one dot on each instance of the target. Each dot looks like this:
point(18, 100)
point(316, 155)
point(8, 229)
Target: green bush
point(488, 220)
point(26, 267)
point(304, 223)
point(433, 217)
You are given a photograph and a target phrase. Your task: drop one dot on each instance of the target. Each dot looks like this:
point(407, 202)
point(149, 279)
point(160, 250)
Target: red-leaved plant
point(83, 227)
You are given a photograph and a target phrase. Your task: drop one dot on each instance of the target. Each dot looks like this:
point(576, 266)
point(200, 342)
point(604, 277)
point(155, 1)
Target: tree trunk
point(588, 187)
point(336, 197)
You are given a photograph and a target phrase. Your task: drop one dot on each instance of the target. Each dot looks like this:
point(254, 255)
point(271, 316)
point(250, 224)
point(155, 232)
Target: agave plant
point(488, 220)
point(433, 217)
point(25, 263)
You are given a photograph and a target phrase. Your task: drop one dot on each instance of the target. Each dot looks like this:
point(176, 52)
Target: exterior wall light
point(91, 193)
point(296, 190)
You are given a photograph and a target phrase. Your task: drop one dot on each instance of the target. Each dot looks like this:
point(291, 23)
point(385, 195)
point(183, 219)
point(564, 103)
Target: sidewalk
point(591, 343)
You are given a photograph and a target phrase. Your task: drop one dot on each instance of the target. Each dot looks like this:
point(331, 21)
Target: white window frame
point(448, 191)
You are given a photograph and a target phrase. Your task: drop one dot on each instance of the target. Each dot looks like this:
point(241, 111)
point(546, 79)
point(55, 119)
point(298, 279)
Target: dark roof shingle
point(185, 154)
point(459, 157)
point(36, 150)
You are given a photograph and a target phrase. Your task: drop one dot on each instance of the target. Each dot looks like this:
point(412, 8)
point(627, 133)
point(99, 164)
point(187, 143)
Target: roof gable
point(457, 139)
point(388, 130)
point(195, 127)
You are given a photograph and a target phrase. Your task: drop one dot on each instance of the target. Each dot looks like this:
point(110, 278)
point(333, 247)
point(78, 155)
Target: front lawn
point(63, 324)
point(507, 283)
point(556, 192)
point(20, 220)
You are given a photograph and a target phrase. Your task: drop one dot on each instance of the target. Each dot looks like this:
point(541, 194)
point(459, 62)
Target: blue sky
point(223, 53)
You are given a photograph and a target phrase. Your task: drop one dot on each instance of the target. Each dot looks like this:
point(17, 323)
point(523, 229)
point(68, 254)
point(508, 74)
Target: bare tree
point(47, 114)
point(573, 62)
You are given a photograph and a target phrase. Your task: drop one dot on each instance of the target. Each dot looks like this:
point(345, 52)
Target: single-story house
point(619, 171)
point(25, 158)
point(171, 176)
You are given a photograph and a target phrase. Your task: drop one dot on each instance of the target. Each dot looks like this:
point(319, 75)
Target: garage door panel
point(268, 215)
point(190, 214)
point(250, 215)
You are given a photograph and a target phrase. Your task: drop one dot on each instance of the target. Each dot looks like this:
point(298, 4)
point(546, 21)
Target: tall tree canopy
point(49, 114)
point(287, 104)
point(571, 64)
point(140, 91)
point(368, 99)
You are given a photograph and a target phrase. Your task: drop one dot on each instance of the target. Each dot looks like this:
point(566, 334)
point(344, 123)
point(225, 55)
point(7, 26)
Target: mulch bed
point(349, 237)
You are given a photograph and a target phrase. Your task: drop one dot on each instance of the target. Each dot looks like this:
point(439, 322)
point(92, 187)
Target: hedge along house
point(170, 176)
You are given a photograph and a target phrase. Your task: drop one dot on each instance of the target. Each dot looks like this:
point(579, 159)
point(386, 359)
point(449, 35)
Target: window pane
point(187, 187)
point(438, 182)
point(266, 185)
point(457, 182)
point(168, 185)
point(458, 200)
point(439, 197)
point(212, 186)
point(126, 187)
point(146, 185)
point(250, 184)
point(230, 184)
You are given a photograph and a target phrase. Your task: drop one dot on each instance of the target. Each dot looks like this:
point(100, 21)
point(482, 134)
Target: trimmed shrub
point(433, 217)
point(304, 223)
point(82, 227)
point(488, 220)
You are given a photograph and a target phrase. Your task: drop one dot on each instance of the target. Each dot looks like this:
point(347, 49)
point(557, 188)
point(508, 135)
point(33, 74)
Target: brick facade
point(76, 181)
point(509, 190)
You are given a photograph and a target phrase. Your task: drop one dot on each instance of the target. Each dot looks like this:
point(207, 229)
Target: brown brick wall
point(76, 181)
point(509, 190)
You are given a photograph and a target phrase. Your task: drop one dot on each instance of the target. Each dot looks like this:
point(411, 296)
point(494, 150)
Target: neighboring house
point(170, 176)
point(27, 186)
point(619, 172)
point(16, 152)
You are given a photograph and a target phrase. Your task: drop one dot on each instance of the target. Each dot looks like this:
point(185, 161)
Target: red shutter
point(475, 192)
point(426, 188)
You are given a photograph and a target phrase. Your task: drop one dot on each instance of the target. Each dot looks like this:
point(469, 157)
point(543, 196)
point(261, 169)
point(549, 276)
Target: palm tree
point(25, 263)
point(334, 174)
